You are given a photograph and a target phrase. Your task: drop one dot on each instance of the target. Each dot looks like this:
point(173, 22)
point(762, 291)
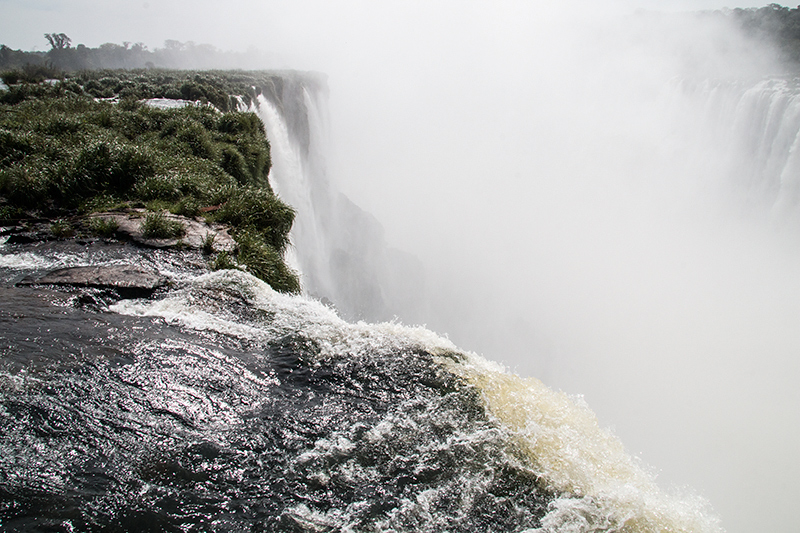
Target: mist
point(579, 223)
point(574, 208)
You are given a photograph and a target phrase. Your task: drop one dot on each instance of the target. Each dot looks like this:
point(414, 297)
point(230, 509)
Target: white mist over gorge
point(602, 198)
point(608, 203)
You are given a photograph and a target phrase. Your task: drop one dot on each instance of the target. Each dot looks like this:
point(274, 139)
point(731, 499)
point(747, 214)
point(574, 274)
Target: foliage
point(62, 152)
point(58, 41)
point(773, 23)
point(258, 211)
point(127, 55)
point(265, 262)
point(62, 229)
point(223, 261)
point(158, 226)
point(208, 244)
point(103, 226)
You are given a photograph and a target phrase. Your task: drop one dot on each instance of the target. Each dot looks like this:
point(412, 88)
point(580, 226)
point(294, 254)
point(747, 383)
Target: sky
point(282, 26)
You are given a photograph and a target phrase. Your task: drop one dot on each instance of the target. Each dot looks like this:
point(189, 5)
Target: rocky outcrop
point(196, 231)
point(128, 280)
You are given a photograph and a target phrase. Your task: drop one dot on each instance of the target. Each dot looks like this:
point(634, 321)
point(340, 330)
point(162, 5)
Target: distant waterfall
point(754, 130)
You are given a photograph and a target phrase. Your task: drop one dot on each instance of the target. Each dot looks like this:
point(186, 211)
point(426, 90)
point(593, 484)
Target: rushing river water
point(219, 405)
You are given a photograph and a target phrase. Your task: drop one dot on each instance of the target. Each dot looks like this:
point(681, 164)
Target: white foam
point(32, 261)
point(602, 487)
point(292, 315)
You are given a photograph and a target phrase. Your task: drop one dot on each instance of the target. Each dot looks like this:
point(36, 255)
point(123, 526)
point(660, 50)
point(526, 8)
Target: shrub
point(265, 262)
point(10, 77)
point(14, 146)
point(8, 212)
point(187, 207)
point(259, 210)
point(131, 164)
point(157, 188)
point(238, 123)
point(103, 202)
point(103, 226)
point(158, 226)
point(234, 164)
point(60, 149)
point(223, 261)
point(24, 186)
point(208, 244)
point(62, 229)
point(106, 167)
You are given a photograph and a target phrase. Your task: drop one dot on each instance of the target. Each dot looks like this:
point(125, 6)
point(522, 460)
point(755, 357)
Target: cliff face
point(339, 248)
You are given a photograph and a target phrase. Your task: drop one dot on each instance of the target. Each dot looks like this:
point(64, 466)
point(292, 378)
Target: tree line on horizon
point(773, 23)
point(63, 57)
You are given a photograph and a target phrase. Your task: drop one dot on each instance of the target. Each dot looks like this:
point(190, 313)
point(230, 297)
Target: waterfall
point(754, 129)
point(339, 249)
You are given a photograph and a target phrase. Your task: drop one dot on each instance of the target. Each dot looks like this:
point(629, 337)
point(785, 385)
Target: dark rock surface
point(127, 279)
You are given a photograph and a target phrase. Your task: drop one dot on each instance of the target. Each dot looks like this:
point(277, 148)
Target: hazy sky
point(270, 25)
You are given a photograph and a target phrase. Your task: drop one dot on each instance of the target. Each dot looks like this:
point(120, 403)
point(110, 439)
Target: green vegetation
point(62, 229)
point(175, 54)
point(157, 226)
point(64, 152)
point(264, 262)
point(774, 23)
point(103, 227)
point(208, 244)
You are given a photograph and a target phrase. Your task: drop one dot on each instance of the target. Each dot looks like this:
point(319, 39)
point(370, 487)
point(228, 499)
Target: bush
point(265, 262)
point(158, 226)
point(103, 226)
point(62, 229)
point(224, 261)
point(10, 77)
point(61, 151)
point(157, 188)
point(187, 207)
point(234, 164)
point(259, 210)
point(14, 146)
point(24, 186)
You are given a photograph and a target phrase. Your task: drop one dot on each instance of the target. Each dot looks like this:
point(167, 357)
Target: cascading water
point(222, 405)
point(756, 132)
point(729, 146)
point(340, 249)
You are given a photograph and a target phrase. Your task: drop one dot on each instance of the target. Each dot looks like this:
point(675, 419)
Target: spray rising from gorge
point(616, 219)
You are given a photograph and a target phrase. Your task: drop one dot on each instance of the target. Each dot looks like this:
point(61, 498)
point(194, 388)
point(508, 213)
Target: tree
point(58, 41)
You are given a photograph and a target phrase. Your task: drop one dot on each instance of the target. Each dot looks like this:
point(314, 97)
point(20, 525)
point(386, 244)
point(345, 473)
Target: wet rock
point(127, 280)
point(28, 233)
point(196, 232)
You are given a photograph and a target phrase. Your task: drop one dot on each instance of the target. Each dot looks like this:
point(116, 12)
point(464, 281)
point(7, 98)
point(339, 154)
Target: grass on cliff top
point(62, 151)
